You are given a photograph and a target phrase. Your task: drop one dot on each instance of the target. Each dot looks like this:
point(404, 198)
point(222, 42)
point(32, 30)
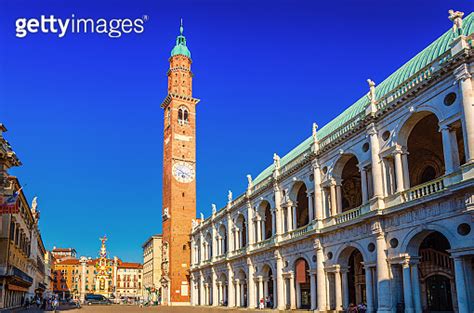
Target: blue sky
point(84, 115)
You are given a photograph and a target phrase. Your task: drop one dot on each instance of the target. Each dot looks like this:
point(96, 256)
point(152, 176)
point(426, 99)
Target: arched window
point(183, 116)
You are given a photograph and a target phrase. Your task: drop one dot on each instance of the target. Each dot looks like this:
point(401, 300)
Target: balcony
point(424, 190)
point(352, 214)
point(297, 233)
point(264, 244)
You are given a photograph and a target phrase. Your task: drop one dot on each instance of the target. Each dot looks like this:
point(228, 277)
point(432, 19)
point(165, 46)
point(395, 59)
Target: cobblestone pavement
point(137, 309)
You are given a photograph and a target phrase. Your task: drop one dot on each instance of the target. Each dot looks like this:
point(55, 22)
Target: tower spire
point(180, 47)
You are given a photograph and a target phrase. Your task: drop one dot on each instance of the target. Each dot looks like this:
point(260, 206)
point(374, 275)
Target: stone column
point(407, 291)
point(251, 285)
point(345, 289)
point(292, 292)
point(465, 85)
point(333, 199)
point(298, 295)
point(383, 277)
point(376, 166)
point(230, 286)
point(237, 293)
point(310, 206)
point(447, 149)
point(338, 289)
point(293, 211)
point(318, 204)
point(242, 293)
point(280, 281)
point(363, 178)
point(369, 289)
point(202, 291)
point(215, 297)
point(415, 280)
point(83, 278)
point(260, 289)
point(215, 241)
point(229, 233)
point(399, 171)
point(313, 290)
point(274, 212)
point(339, 198)
point(289, 218)
point(406, 173)
point(461, 288)
point(320, 276)
point(278, 210)
point(250, 214)
point(259, 230)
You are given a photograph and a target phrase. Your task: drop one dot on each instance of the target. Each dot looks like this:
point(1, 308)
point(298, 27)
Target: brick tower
point(179, 179)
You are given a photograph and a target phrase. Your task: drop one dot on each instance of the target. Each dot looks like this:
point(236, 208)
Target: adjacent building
point(129, 280)
point(111, 277)
point(376, 207)
point(23, 273)
point(152, 273)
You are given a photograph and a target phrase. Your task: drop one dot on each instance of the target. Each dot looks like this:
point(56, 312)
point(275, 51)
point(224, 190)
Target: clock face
point(183, 172)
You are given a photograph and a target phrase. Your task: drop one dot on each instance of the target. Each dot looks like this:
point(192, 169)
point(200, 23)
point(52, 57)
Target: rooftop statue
point(456, 18)
point(276, 161)
point(229, 196)
point(214, 209)
point(249, 178)
point(371, 94)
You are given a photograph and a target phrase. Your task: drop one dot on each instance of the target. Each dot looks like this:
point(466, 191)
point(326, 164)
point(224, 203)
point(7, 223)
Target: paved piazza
point(133, 309)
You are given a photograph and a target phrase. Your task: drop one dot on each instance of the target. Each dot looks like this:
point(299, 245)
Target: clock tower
point(179, 175)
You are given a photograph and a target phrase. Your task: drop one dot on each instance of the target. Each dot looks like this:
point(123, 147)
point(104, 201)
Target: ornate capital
point(461, 73)
point(371, 130)
point(317, 244)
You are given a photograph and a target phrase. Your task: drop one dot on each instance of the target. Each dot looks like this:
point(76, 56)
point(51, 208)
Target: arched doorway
point(303, 284)
point(436, 274)
point(267, 287)
point(351, 280)
point(356, 279)
point(302, 206)
point(222, 285)
point(241, 295)
point(425, 148)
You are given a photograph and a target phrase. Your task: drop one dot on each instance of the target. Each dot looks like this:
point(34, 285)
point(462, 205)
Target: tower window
point(183, 116)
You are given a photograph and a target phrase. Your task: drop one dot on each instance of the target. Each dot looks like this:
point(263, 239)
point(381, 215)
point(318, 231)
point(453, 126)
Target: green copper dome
point(180, 47)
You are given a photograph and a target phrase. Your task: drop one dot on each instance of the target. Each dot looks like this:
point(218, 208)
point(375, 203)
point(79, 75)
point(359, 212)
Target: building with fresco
point(375, 208)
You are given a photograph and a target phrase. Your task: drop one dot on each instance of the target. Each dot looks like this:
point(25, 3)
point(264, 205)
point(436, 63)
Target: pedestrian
point(55, 304)
point(262, 304)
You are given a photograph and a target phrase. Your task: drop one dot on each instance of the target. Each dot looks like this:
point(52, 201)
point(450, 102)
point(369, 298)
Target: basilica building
point(374, 209)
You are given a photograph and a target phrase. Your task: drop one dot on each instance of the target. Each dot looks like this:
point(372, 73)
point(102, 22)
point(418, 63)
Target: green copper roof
point(180, 47)
point(418, 62)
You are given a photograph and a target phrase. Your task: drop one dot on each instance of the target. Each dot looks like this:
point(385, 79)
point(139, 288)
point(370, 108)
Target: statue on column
point(214, 209)
point(456, 18)
point(371, 94)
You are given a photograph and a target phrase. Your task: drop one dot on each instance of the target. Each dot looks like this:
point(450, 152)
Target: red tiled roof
point(130, 265)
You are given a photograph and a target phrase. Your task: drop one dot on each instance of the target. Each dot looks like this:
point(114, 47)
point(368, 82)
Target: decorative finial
point(456, 18)
point(181, 28)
